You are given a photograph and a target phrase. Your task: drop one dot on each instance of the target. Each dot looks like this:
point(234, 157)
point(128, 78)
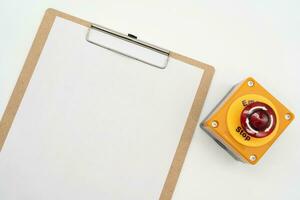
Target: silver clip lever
point(128, 45)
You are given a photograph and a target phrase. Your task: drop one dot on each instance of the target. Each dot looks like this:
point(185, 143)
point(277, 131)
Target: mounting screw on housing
point(250, 83)
point(287, 116)
point(214, 124)
point(252, 158)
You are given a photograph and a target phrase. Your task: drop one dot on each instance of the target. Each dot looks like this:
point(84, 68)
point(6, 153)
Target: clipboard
point(132, 53)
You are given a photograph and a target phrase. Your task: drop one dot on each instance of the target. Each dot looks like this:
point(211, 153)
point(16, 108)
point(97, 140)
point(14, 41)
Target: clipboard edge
point(190, 125)
point(25, 75)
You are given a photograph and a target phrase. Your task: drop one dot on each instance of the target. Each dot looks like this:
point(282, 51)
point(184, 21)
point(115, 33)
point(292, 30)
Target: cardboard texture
point(29, 67)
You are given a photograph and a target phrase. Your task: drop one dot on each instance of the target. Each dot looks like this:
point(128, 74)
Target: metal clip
point(128, 45)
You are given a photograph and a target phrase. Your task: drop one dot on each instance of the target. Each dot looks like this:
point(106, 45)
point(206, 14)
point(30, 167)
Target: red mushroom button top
point(258, 119)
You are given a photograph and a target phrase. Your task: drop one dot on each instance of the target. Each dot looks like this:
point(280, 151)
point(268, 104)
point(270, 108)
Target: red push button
point(258, 119)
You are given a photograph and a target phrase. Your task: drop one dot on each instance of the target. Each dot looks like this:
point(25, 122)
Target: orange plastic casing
point(224, 122)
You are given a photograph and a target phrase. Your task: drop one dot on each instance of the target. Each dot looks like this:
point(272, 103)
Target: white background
point(240, 39)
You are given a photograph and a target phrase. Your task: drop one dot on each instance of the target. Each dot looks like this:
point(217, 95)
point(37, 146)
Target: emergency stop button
point(248, 121)
point(258, 119)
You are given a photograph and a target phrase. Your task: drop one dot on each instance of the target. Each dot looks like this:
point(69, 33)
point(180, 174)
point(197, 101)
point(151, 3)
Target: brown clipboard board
point(31, 62)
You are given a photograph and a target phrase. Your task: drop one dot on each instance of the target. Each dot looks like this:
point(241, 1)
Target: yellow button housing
point(224, 123)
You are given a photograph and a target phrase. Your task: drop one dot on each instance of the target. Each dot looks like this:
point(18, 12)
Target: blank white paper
point(94, 124)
